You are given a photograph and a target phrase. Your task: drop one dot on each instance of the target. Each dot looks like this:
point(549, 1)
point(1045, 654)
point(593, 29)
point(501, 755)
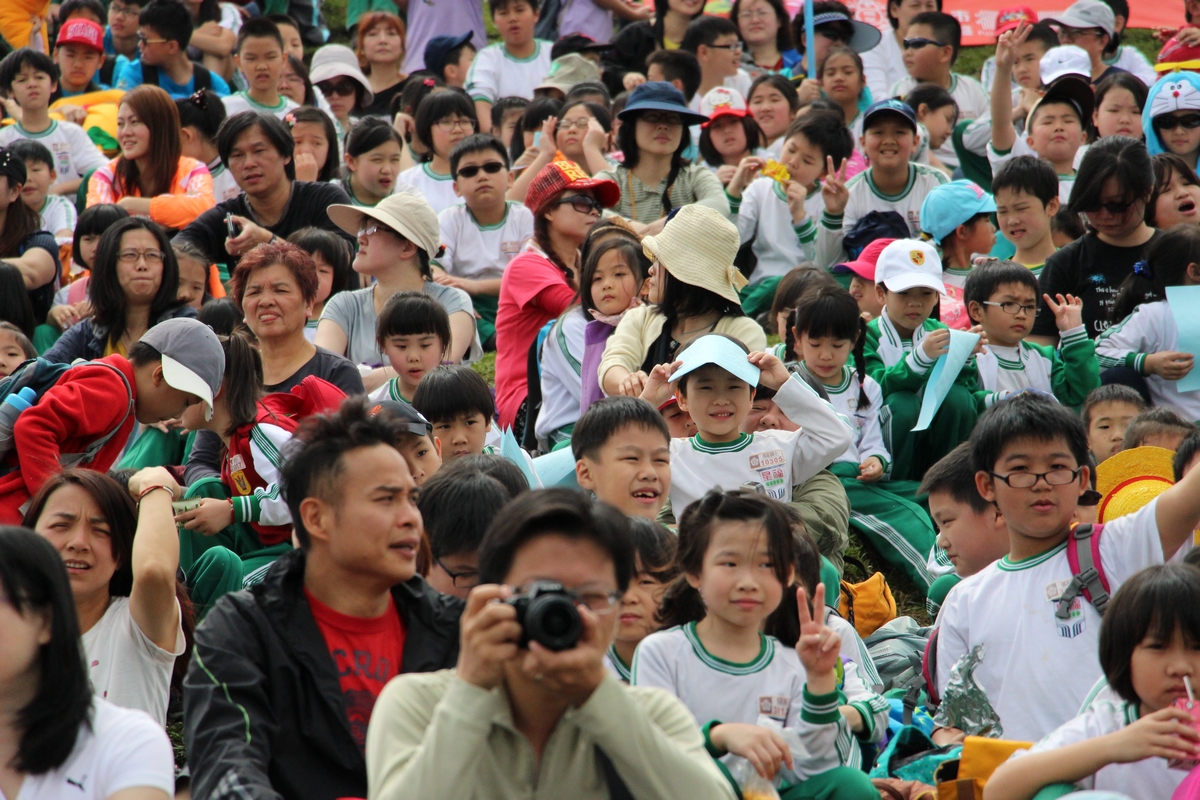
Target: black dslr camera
point(548, 616)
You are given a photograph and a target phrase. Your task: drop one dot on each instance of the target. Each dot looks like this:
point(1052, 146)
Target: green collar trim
point(765, 655)
point(741, 443)
point(892, 198)
point(622, 668)
point(537, 51)
point(394, 392)
point(261, 106)
point(1008, 565)
point(28, 134)
point(433, 175)
point(507, 205)
point(840, 387)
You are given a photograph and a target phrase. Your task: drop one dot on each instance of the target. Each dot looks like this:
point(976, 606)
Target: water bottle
point(10, 409)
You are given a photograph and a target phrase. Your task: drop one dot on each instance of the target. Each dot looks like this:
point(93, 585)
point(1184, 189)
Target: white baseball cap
point(1066, 59)
point(908, 263)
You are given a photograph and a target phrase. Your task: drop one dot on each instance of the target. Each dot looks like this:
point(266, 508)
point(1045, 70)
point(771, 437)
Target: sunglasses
point(342, 88)
point(1116, 209)
point(491, 168)
point(583, 203)
point(917, 42)
point(1167, 123)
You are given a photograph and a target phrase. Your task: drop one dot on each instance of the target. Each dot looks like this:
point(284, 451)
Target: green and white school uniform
point(58, 213)
point(422, 180)
point(389, 391)
point(1068, 371)
point(562, 385)
point(763, 216)
point(614, 664)
point(1149, 329)
point(900, 367)
point(242, 101)
point(224, 186)
point(496, 73)
point(972, 99)
point(860, 681)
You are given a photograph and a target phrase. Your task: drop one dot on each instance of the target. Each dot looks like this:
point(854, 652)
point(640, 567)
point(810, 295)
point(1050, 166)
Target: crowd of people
point(749, 316)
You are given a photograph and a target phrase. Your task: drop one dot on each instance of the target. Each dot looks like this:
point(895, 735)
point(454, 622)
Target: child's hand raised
point(833, 189)
point(774, 373)
point(936, 343)
point(658, 386)
point(818, 645)
point(1007, 44)
point(796, 195)
point(747, 170)
point(1167, 733)
point(1068, 311)
point(762, 747)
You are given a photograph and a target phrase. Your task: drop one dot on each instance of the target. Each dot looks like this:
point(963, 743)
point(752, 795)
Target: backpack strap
point(1087, 573)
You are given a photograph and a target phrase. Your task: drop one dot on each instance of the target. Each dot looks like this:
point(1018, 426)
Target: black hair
point(259, 28)
point(631, 254)
point(329, 170)
point(94, 221)
point(1029, 174)
point(503, 106)
point(413, 314)
point(32, 150)
point(498, 5)
point(588, 90)
point(755, 139)
point(931, 96)
point(796, 283)
point(833, 312)
point(24, 340)
point(954, 475)
point(72, 7)
point(420, 85)
point(15, 305)
point(654, 546)
point(1110, 393)
point(945, 27)
point(1119, 157)
point(607, 417)
point(334, 249)
point(1152, 604)
point(170, 19)
point(536, 112)
point(203, 111)
point(681, 300)
point(558, 512)
point(783, 85)
point(209, 11)
point(457, 510)
point(367, 133)
point(1120, 8)
point(477, 143)
point(1166, 167)
point(222, 316)
point(185, 248)
point(783, 37)
point(506, 472)
point(704, 30)
point(1156, 421)
point(450, 392)
point(301, 70)
point(627, 143)
point(1167, 261)
point(283, 19)
point(34, 581)
point(439, 105)
point(784, 624)
point(1067, 223)
point(657, 27)
point(104, 289)
point(599, 112)
point(1025, 417)
point(893, 20)
point(826, 132)
point(1184, 454)
point(242, 385)
point(678, 65)
point(278, 134)
point(612, 226)
point(1042, 32)
point(315, 457)
point(682, 603)
point(844, 29)
point(1123, 80)
point(986, 279)
point(14, 62)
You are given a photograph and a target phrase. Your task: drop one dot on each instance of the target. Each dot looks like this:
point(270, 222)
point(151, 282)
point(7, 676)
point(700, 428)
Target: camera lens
point(553, 621)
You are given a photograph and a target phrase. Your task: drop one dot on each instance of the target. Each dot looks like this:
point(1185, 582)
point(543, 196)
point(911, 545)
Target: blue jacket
point(85, 340)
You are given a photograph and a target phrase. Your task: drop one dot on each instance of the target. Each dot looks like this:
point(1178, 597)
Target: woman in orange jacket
point(151, 177)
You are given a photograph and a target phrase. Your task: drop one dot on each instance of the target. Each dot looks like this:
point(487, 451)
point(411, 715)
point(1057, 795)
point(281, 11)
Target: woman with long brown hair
point(152, 177)
point(380, 48)
point(23, 243)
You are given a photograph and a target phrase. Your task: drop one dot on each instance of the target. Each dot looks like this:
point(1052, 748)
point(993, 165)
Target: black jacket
point(263, 709)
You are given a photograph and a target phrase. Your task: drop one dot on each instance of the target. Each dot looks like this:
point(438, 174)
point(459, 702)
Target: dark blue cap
point(890, 107)
point(439, 47)
point(411, 420)
point(660, 96)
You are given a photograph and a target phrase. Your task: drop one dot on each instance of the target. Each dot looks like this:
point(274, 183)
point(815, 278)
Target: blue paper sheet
point(557, 468)
point(941, 377)
point(1184, 302)
point(513, 452)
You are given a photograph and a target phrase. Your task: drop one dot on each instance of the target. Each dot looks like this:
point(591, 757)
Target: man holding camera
point(284, 676)
point(530, 710)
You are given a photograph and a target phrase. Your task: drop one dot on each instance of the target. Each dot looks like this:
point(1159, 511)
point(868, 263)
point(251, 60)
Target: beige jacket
point(641, 326)
point(433, 735)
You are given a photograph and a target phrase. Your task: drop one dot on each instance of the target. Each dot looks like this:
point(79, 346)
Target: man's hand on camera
point(573, 673)
point(489, 633)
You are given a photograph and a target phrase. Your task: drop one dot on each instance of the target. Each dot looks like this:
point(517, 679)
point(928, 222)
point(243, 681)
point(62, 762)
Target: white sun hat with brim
point(698, 246)
point(338, 61)
point(718, 350)
point(193, 361)
point(406, 213)
point(907, 264)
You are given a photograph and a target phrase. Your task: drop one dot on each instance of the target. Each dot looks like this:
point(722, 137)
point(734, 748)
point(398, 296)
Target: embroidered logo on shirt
point(78, 784)
point(240, 483)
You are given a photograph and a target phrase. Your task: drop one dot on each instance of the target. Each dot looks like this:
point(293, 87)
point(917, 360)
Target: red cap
point(864, 265)
point(558, 176)
point(1175, 52)
point(81, 31)
point(1009, 18)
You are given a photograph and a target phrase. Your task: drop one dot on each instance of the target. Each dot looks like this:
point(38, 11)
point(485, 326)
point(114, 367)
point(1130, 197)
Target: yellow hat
point(1132, 478)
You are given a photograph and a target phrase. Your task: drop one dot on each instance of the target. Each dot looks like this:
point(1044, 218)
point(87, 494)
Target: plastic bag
point(754, 786)
point(964, 703)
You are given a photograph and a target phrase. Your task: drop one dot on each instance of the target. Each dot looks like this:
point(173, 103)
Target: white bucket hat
point(338, 61)
point(408, 214)
point(697, 246)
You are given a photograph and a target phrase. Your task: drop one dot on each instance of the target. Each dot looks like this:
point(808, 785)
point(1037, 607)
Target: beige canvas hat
point(697, 246)
point(408, 214)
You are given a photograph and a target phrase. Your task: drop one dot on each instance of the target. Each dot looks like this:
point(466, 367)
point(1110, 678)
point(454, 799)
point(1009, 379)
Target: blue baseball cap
point(724, 352)
point(890, 107)
point(952, 204)
point(660, 96)
point(439, 47)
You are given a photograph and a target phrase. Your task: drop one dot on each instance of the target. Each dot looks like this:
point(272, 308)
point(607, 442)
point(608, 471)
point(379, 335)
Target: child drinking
point(413, 333)
point(654, 568)
point(957, 217)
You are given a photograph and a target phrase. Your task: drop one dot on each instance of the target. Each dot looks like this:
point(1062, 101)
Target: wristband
point(150, 489)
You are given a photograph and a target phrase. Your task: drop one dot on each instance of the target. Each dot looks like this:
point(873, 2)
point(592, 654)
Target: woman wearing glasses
point(443, 120)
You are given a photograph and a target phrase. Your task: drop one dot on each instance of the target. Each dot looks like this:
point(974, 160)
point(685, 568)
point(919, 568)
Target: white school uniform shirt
point(58, 213)
point(1021, 148)
point(495, 73)
point(482, 252)
point(1010, 369)
point(224, 186)
point(1055, 660)
point(127, 668)
point(779, 460)
point(122, 749)
point(437, 189)
point(74, 153)
point(1131, 59)
point(562, 362)
point(1149, 329)
point(1150, 777)
point(861, 682)
point(242, 101)
point(883, 66)
point(779, 245)
point(868, 432)
point(973, 103)
point(614, 664)
point(769, 691)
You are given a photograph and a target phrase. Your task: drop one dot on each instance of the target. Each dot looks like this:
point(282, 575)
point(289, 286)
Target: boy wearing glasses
point(514, 67)
point(718, 48)
point(483, 233)
point(164, 31)
point(930, 50)
point(1002, 297)
point(1091, 25)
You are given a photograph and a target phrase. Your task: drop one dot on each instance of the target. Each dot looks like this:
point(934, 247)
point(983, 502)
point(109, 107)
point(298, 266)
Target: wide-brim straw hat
point(1130, 480)
point(698, 246)
point(408, 214)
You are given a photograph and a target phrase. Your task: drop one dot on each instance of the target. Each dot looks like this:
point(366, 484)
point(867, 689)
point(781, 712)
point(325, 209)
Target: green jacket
point(900, 365)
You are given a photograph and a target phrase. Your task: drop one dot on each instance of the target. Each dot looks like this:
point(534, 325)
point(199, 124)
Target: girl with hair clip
point(332, 257)
point(1144, 334)
point(374, 151)
point(736, 557)
point(1120, 99)
point(71, 303)
point(730, 135)
point(152, 177)
point(1121, 743)
point(622, 66)
point(773, 102)
point(828, 332)
point(443, 120)
point(56, 730)
point(764, 27)
point(1176, 196)
point(421, 86)
point(654, 549)
point(317, 144)
point(200, 117)
point(380, 48)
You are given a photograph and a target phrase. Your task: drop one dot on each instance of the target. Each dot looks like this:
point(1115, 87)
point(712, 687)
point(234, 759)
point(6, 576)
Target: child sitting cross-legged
point(1030, 458)
point(622, 452)
point(458, 403)
point(654, 549)
point(413, 332)
point(1002, 297)
point(737, 556)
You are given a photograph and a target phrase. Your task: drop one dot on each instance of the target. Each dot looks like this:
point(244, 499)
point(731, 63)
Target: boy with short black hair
point(506, 117)
point(260, 57)
point(457, 509)
point(1025, 189)
point(1185, 455)
point(1030, 456)
point(459, 404)
point(679, 68)
point(513, 67)
point(717, 45)
point(293, 42)
point(1002, 297)
point(450, 58)
point(622, 452)
point(57, 213)
point(483, 233)
point(1106, 415)
point(29, 78)
point(164, 31)
point(1157, 427)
